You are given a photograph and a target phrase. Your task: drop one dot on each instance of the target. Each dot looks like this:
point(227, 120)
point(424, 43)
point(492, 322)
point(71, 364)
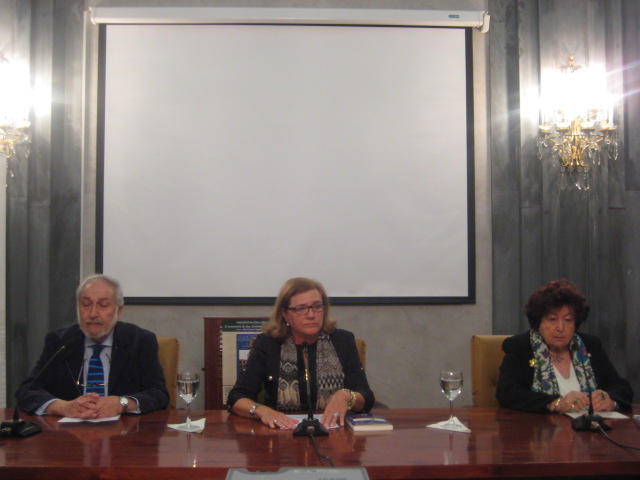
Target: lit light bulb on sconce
point(14, 107)
point(577, 127)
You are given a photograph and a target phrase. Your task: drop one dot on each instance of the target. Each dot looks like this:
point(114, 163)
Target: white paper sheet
point(91, 420)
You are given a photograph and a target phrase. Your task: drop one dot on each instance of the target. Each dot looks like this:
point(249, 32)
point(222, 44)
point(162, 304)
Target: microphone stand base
point(20, 428)
point(589, 423)
point(310, 428)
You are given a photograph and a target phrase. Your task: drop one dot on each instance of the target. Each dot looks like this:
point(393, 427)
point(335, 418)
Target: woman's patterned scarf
point(330, 375)
point(544, 378)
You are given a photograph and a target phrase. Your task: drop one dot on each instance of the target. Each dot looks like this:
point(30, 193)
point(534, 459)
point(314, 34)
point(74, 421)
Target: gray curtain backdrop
point(534, 232)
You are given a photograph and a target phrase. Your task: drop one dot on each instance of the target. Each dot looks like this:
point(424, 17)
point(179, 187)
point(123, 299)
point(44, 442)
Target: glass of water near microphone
point(188, 384)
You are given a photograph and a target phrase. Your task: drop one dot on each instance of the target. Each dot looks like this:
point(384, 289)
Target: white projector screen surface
point(237, 156)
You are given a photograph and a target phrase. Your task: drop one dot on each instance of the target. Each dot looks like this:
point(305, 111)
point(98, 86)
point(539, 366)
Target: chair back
point(361, 345)
point(169, 355)
point(486, 358)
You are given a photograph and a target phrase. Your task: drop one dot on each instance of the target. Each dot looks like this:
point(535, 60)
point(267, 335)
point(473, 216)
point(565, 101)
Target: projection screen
point(232, 157)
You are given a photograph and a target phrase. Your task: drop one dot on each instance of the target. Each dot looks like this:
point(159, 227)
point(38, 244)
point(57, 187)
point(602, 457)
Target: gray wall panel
point(534, 232)
point(418, 331)
point(630, 270)
point(579, 234)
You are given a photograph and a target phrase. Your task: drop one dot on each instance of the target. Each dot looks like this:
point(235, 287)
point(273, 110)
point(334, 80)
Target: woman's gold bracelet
point(555, 405)
point(352, 398)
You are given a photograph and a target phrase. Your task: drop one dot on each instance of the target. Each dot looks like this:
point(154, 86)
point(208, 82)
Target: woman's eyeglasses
point(304, 309)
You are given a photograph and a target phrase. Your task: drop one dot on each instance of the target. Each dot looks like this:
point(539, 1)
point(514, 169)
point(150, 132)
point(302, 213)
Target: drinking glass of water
point(188, 384)
point(451, 386)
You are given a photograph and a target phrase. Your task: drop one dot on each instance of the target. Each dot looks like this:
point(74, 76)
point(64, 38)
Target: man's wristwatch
point(124, 401)
point(252, 410)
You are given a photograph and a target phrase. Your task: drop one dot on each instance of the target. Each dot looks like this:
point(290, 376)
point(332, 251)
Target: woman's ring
point(275, 421)
point(573, 405)
point(337, 415)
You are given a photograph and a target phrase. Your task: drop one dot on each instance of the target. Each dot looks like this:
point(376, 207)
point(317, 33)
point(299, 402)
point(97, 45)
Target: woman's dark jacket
point(263, 370)
point(516, 376)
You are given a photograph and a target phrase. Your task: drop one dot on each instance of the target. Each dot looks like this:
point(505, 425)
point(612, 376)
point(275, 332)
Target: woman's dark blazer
point(263, 370)
point(516, 376)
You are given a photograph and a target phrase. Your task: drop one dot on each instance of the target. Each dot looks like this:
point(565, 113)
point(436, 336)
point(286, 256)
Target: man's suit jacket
point(134, 371)
point(516, 376)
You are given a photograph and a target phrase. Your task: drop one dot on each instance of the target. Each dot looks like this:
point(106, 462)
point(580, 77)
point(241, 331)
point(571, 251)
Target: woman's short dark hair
point(553, 295)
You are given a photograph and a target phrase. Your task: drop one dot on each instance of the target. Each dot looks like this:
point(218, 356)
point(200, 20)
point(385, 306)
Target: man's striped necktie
point(95, 374)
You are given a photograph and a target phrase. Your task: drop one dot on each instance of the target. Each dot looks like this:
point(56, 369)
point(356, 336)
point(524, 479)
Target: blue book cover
point(368, 422)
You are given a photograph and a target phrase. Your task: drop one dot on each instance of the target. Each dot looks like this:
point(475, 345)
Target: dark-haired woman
point(552, 367)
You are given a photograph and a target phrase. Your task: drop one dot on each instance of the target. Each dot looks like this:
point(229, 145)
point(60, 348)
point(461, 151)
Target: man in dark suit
point(130, 378)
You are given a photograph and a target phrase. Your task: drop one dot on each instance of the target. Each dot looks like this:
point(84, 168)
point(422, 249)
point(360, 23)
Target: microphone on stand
point(310, 427)
point(589, 421)
point(22, 428)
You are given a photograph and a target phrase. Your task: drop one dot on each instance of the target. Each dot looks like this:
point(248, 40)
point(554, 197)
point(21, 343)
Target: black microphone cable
point(593, 421)
point(590, 420)
point(317, 449)
point(311, 426)
point(615, 442)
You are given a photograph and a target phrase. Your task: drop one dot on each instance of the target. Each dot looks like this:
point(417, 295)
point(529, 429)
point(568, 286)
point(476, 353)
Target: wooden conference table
point(503, 444)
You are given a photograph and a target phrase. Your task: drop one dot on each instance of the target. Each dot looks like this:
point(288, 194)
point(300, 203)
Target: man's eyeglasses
point(89, 384)
point(304, 309)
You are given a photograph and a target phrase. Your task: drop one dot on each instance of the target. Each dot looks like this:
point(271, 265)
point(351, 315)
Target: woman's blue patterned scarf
point(544, 378)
